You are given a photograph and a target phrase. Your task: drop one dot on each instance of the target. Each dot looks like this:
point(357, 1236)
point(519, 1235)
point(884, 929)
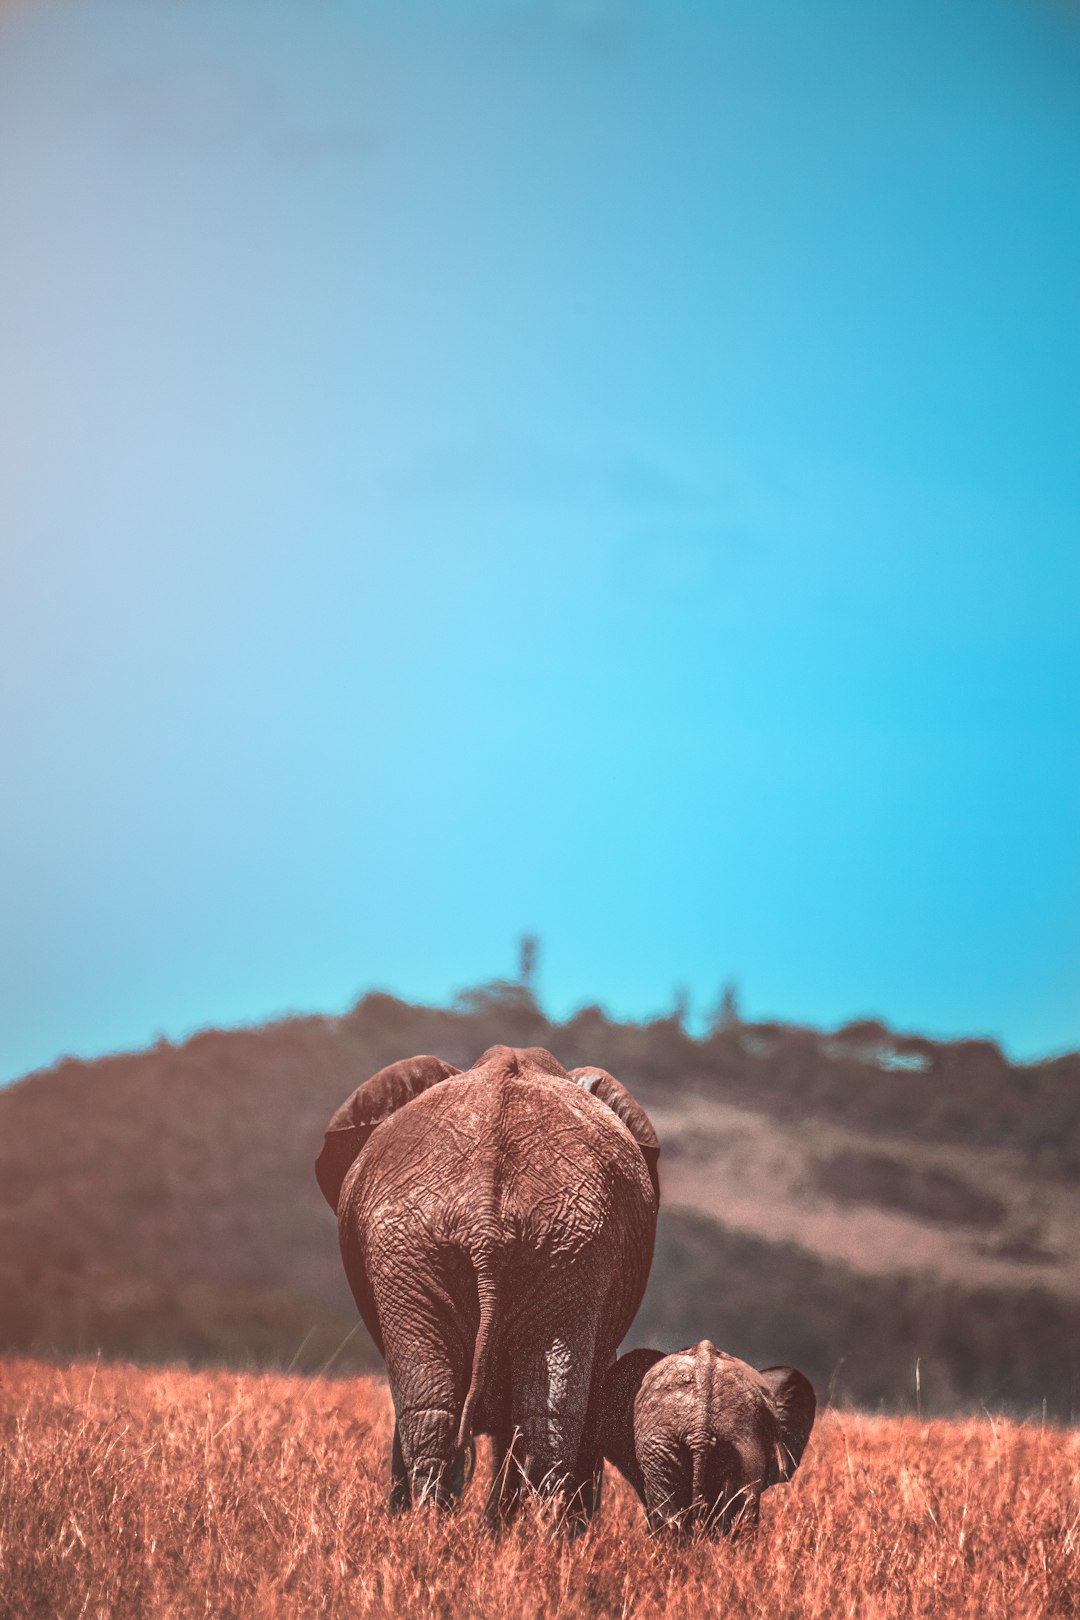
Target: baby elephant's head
point(700, 1435)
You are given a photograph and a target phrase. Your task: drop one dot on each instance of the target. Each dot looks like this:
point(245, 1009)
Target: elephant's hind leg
point(427, 1358)
point(550, 1401)
point(427, 1381)
point(432, 1469)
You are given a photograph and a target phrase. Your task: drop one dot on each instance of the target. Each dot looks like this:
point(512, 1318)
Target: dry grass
point(125, 1492)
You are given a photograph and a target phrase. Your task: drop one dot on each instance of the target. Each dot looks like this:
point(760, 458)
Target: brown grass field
point(128, 1492)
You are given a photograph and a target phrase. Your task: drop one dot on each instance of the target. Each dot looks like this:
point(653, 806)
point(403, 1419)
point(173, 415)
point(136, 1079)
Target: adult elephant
point(497, 1229)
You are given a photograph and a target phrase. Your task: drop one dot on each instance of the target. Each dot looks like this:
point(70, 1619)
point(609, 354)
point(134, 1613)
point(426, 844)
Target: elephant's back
point(526, 1164)
point(577, 1202)
point(570, 1175)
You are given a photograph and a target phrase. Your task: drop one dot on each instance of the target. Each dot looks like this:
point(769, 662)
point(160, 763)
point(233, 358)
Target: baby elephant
point(700, 1435)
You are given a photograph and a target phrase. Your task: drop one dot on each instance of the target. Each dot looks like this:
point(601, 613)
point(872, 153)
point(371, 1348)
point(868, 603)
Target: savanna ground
point(128, 1492)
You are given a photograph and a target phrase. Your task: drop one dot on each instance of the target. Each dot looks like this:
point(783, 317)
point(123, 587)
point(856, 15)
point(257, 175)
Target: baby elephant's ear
point(795, 1402)
point(368, 1106)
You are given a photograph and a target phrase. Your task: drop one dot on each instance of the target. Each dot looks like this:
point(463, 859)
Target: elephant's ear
point(795, 1402)
point(620, 1389)
point(618, 1099)
point(368, 1106)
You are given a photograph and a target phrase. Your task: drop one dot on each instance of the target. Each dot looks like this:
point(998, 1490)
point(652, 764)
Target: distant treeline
point(865, 1075)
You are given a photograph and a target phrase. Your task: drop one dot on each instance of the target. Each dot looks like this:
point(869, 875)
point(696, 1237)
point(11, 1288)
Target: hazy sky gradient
point(608, 469)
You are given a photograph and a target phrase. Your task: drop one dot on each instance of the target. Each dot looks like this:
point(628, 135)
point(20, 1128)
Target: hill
point(861, 1203)
point(138, 1494)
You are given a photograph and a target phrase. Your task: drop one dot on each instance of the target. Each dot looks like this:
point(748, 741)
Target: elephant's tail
point(697, 1499)
point(485, 1294)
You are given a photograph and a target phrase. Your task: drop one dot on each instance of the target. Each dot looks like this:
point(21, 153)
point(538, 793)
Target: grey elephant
point(497, 1229)
point(700, 1434)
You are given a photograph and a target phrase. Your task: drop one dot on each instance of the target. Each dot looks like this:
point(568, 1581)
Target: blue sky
point(602, 468)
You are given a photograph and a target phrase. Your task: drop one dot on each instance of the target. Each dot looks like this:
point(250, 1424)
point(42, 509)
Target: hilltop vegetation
point(855, 1202)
